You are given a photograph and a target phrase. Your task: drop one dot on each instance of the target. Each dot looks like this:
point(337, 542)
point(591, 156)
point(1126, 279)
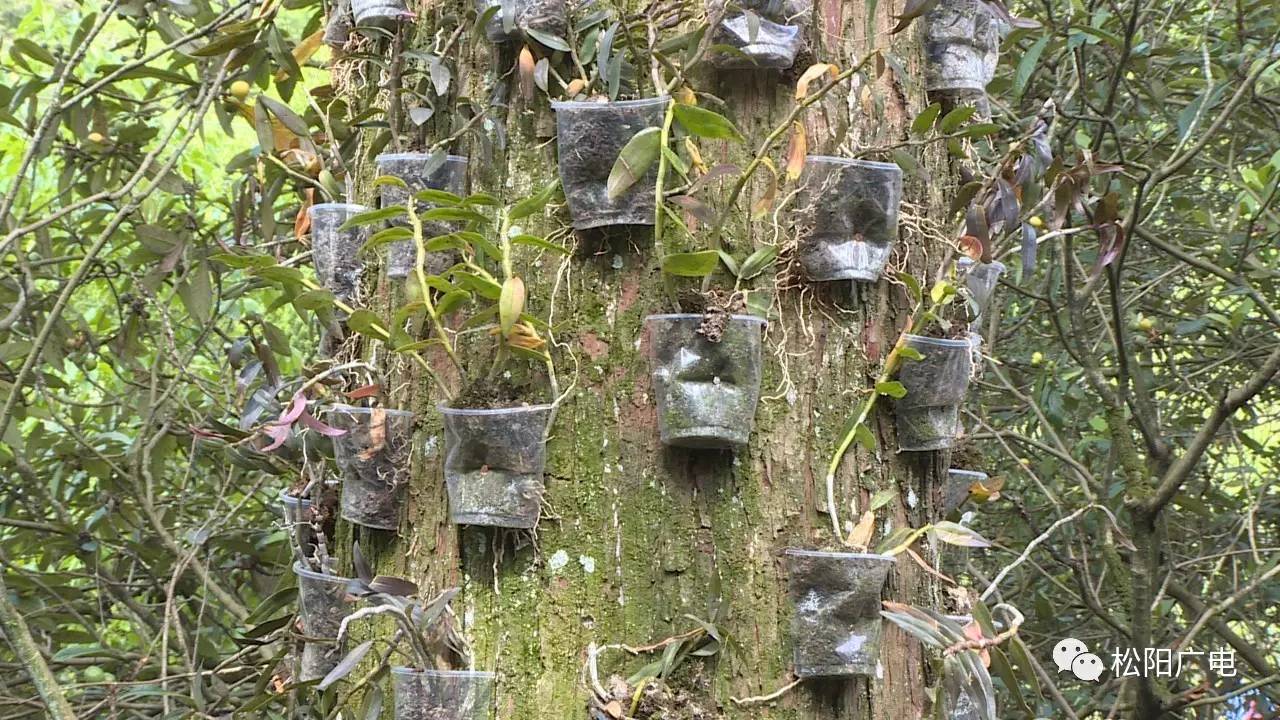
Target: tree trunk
point(639, 535)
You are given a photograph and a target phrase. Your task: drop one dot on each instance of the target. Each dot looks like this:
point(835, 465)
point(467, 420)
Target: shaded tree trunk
point(638, 535)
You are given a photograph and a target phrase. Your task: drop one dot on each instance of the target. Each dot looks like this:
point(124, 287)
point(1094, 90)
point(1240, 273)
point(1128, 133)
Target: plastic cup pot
point(337, 29)
point(957, 489)
point(493, 463)
point(981, 280)
point(960, 702)
point(836, 622)
point(759, 34)
point(417, 171)
point(849, 212)
point(297, 521)
point(962, 48)
point(373, 456)
point(706, 391)
point(929, 415)
point(322, 604)
point(379, 13)
point(336, 253)
point(590, 137)
point(442, 694)
point(548, 17)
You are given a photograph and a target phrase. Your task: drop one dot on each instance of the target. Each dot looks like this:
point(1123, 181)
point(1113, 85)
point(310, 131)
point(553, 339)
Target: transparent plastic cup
point(980, 279)
point(322, 604)
point(493, 464)
point(849, 215)
point(836, 624)
point(962, 46)
point(706, 391)
point(442, 694)
point(373, 456)
point(297, 521)
point(379, 13)
point(416, 170)
point(928, 417)
point(541, 16)
point(590, 137)
point(336, 253)
point(766, 39)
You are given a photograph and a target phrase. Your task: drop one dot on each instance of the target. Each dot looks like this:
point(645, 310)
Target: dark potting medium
point(957, 489)
point(373, 456)
point(760, 34)
point(849, 216)
point(493, 464)
point(590, 136)
point(322, 604)
point(928, 417)
point(336, 253)
point(836, 626)
point(962, 47)
point(540, 16)
point(980, 279)
point(379, 13)
point(416, 170)
point(706, 391)
point(442, 694)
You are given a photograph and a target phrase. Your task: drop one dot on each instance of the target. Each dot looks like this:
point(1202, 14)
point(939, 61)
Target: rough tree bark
point(643, 534)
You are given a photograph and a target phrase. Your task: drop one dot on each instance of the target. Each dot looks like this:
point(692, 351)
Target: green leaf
point(452, 214)
point(287, 117)
point(706, 123)
point(535, 203)
point(956, 118)
point(729, 262)
point(388, 235)
point(555, 42)
point(225, 44)
point(366, 323)
point(240, 262)
point(482, 286)
point(957, 534)
point(941, 292)
point(881, 498)
point(540, 243)
point(373, 216)
point(348, 664)
point(757, 261)
point(510, 304)
point(907, 352)
point(197, 293)
point(634, 161)
point(980, 130)
point(451, 300)
point(892, 388)
point(926, 119)
point(437, 197)
point(863, 436)
point(913, 285)
point(695, 264)
point(1027, 66)
point(391, 180)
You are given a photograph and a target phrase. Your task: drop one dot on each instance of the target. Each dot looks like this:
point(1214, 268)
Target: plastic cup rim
point(350, 207)
point(514, 409)
point(689, 316)
point(419, 156)
point(289, 499)
point(479, 674)
point(801, 552)
point(638, 102)
point(301, 571)
point(967, 473)
point(937, 342)
point(854, 162)
point(358, 410)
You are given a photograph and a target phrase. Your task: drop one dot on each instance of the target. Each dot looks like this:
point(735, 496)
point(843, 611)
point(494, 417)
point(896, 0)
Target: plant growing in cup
point(496, 423)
